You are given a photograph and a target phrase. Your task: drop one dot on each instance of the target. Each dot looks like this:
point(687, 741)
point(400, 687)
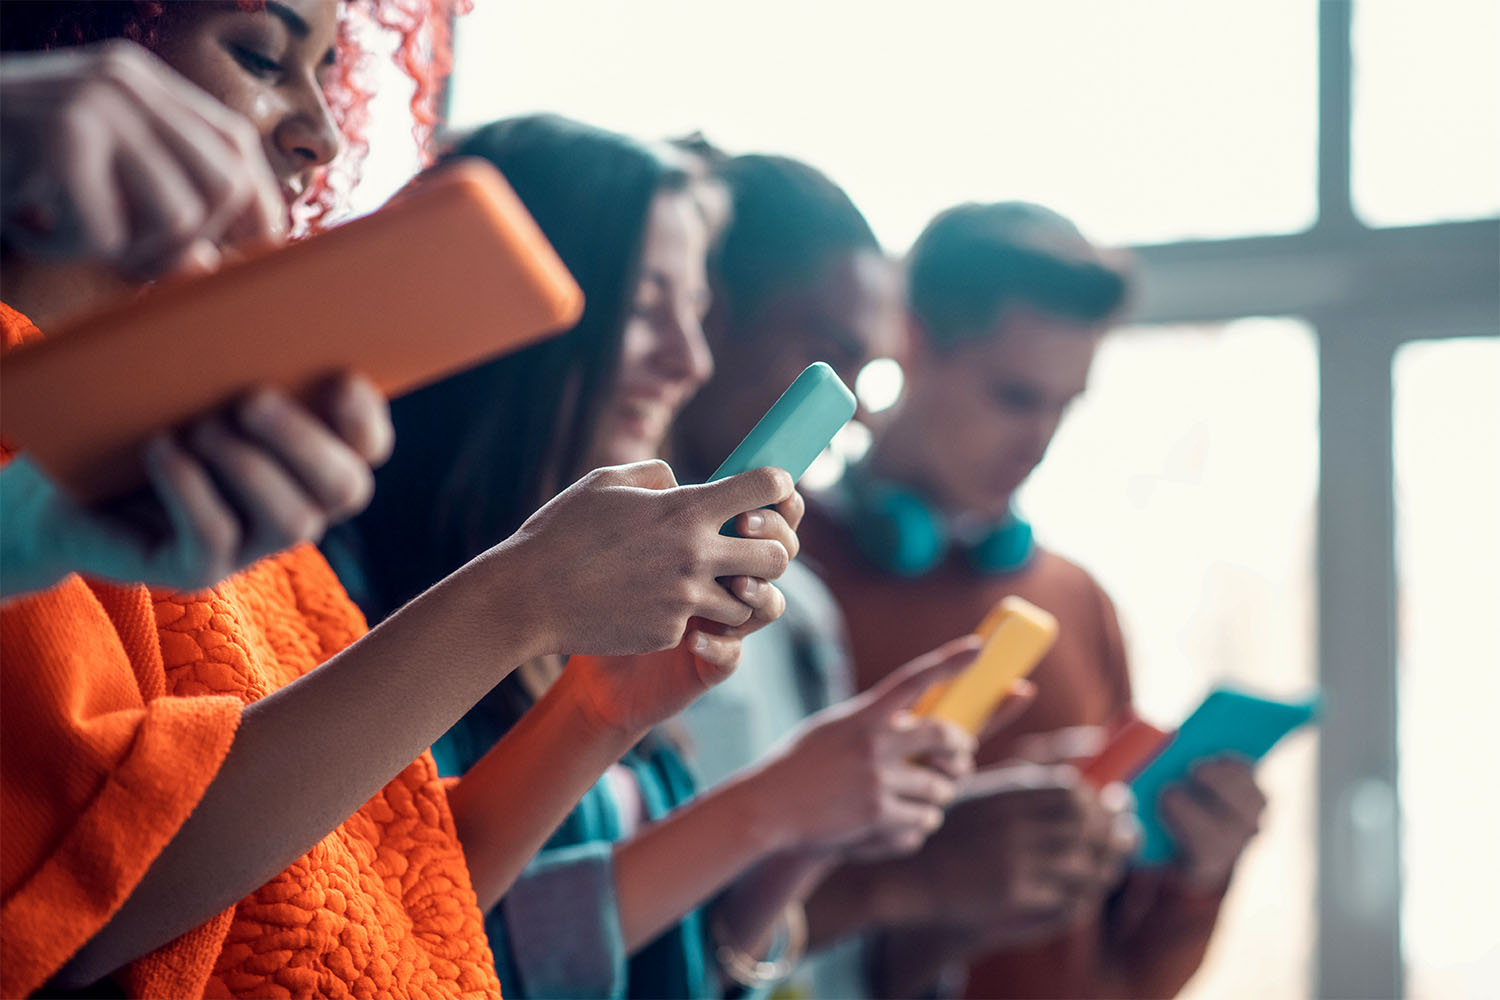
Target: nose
point(307, 136)
point(684, 354)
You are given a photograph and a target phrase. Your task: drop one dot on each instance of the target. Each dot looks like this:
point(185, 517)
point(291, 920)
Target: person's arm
point(1157, 927)
point(676, 865)
point(310, 754)
point(866, 748)
point(1153, 936)
point(746, 916)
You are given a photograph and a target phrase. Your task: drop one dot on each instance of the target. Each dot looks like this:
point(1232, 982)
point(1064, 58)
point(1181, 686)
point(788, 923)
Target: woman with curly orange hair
point(191, 808)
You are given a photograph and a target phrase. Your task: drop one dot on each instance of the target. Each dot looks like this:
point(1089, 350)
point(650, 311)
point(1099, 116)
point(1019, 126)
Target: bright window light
point(1447, 451)
point(879, 383)
point(1426, 111)
point(1147, 121)
point(1186, 479)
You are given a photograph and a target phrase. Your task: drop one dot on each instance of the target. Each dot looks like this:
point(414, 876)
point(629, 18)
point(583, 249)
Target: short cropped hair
point(787, 221)
point(974, 260)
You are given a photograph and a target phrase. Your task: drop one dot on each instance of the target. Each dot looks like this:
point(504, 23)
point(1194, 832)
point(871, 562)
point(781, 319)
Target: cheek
point(635, 350)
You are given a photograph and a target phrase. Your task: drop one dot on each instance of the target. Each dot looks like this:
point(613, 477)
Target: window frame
point(1365, 291)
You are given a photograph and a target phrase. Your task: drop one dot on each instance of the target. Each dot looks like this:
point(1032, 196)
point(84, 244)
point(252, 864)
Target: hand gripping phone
point(453, 273)
point(1228, 721)
point(1017, 634)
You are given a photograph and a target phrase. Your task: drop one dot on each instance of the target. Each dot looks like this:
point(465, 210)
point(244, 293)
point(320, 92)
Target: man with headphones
point(1006, 306)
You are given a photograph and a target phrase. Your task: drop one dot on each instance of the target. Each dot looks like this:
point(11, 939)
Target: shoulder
point(1064, 572)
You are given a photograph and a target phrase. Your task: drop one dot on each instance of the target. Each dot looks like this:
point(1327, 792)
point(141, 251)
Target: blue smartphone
point(1227, 721)
point(796, 428)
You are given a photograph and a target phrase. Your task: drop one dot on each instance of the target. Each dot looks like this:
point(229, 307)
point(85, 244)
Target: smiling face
point(987, 407)
point(270, 66)
point(663, 355)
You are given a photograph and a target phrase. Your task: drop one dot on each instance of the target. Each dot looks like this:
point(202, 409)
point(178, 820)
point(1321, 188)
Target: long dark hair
point(478, 453)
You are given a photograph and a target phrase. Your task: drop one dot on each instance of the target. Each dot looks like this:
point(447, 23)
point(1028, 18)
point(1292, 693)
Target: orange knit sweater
point(117, 707)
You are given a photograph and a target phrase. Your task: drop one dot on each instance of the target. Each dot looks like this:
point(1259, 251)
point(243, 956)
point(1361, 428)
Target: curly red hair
point(421, 29)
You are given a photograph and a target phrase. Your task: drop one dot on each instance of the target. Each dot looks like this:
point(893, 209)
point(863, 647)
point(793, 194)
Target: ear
point(916, 347)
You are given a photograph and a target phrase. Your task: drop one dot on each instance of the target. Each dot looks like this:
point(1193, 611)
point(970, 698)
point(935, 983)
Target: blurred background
point(1287, 468)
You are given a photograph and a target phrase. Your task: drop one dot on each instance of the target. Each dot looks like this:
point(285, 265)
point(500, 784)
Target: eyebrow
point(294, 22)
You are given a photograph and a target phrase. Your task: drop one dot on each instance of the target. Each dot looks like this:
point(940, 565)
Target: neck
point(902, 455)
point(50, 294)
point(899, 455)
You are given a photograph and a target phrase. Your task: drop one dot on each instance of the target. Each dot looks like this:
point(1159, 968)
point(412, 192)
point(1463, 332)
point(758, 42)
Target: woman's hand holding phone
point(866, 776)
point(625, 559)
point(224, 490)
point(111, 155)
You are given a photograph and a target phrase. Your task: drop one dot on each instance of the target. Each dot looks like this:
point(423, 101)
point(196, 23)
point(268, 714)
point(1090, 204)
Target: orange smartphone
point(453, 273)
point(1132, 745)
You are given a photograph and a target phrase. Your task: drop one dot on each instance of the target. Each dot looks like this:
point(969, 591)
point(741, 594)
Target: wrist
point(594, 722)
point(761, 811)
point(895, 898)
point(501, 592)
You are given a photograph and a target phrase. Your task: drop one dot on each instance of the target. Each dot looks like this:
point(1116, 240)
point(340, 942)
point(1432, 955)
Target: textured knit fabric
point(119, 705)
point(1152, 936)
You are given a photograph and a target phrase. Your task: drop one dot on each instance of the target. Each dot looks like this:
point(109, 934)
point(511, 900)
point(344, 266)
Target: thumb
point(653, 474)
point(763, 487)
point(902, 687)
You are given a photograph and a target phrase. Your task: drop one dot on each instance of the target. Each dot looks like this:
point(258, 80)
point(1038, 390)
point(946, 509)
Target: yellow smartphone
point(1017, 634)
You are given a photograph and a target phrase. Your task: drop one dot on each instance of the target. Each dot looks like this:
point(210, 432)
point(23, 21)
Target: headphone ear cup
point(898, 531)
point(1005, 549)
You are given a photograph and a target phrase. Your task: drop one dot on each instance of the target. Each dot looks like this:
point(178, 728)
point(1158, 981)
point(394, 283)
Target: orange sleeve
point(97, 769)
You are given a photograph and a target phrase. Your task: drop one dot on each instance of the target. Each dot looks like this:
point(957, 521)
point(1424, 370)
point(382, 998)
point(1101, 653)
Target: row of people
point(191, 807)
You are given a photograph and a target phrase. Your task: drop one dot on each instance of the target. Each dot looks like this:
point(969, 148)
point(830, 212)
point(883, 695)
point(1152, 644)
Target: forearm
point(511, 801)
point(677, 864)
point(747, 914)
point(860, 898)
point(1154, 935)
point(308, 756)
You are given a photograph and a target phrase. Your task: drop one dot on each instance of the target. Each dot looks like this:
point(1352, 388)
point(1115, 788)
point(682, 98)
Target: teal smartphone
point(796, 428)
point(1227, 722)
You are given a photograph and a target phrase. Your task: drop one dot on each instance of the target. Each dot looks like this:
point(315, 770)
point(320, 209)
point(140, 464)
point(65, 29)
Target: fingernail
point(752, 587)
point(754, 521)
point(700, 644)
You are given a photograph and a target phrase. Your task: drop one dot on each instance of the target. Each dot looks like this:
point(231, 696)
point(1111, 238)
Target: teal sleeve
point(557, 932)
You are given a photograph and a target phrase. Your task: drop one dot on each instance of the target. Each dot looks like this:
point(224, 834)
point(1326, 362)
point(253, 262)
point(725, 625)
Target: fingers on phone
point(338, 482)
point(205, 537)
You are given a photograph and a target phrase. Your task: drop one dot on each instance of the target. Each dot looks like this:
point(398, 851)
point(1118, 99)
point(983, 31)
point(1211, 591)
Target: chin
point(633, 450)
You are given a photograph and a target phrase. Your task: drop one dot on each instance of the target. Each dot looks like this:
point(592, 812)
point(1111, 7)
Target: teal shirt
point(557, 931)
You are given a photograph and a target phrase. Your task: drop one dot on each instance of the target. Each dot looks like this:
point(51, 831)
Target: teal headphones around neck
point(901, 532)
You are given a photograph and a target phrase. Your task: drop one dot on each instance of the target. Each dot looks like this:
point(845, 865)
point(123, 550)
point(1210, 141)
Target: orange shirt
point(1151, 937)
point(117, 706)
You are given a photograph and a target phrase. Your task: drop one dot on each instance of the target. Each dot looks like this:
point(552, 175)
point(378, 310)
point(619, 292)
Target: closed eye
point(256, 63)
